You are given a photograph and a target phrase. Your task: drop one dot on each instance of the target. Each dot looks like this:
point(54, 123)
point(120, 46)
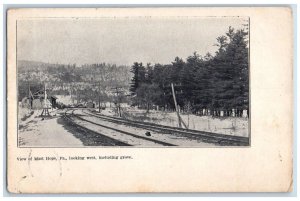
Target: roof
point(42, 96)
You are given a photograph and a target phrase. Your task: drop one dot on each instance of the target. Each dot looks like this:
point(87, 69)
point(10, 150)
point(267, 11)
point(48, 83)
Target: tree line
point(64, 78)
point(203, 84)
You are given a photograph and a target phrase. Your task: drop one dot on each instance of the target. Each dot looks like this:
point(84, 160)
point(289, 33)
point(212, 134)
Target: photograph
point(150, 100)
point(133, 82)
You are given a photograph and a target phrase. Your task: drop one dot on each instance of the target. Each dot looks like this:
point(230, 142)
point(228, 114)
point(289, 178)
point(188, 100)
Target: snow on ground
point(24, 113)
point(224, 125)
point(167, 138)
point(107, 111)
point(55, 132)
point(46, 133)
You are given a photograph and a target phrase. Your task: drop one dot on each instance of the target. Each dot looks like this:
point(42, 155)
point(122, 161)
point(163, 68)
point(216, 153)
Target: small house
point(37, 100)
point(90, 104)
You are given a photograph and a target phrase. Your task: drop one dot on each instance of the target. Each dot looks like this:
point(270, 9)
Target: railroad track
point(106, 141)
point(111, 141)
point(208, 137)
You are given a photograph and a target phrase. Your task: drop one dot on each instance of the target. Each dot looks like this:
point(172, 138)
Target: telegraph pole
point(177, 109)
point(99, 97)
point(30, 100)
point(71, 94)
point(118, 104)
point(77, 98)
point(45, 105)
point(118, 101)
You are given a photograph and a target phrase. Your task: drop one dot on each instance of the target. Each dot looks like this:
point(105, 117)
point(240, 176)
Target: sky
point(120, 41)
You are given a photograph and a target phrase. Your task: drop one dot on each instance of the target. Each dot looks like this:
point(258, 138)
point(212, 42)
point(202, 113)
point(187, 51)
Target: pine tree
point(231, 72)
point(149, 74)
point(187, 77)
point(239, 53)
point(138, 71)
point(202, 90)
point(219, 82)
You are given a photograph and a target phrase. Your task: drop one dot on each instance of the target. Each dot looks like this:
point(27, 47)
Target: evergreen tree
point(219, 82)
point(187, 77)
point(202, 90)
point(148, 94)
point(138, 71)
point(149, 74)
point(231, 72)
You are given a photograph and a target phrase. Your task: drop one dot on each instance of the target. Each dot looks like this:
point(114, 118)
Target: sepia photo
point(137, 81)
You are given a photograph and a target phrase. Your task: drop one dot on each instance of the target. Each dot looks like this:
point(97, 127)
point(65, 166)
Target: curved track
point(71, 115)
point(208, 137)
point(105, 140)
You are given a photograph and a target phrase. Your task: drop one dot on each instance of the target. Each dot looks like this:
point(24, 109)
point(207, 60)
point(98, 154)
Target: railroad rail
point(208, 137)
point(107, 141)
point(114, 141)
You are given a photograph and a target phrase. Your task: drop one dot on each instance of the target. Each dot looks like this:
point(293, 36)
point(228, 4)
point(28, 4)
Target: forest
point(210, 84)
point(83, 82)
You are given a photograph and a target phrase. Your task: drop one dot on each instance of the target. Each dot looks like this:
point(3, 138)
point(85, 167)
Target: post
point(71, 94)
point(118, 104)
point(28, 90)
point(45, 106)
point(77, 98)
point(176, 107)
point(45, 94)
point(99, 99)
point(30, 100)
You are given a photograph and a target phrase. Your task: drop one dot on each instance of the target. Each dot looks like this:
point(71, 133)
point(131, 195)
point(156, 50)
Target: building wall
point(90, 105)
point(37, 104)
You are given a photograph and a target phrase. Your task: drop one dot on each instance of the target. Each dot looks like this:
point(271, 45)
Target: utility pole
point(99, 97)
point(118, 101)
point(175, 102)
point(177, 109)
point(30, 101)
point(71, 94)
point(118, 104)
point(77, 98)
point(45, 105)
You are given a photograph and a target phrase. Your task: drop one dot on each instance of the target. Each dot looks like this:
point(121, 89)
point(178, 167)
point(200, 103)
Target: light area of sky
point(120, 41)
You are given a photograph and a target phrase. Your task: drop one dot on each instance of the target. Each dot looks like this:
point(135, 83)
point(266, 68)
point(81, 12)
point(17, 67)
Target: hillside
point(66, 79)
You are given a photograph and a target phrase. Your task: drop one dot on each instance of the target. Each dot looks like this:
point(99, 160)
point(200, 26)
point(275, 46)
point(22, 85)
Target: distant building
point(36, 101)
point(90, 104)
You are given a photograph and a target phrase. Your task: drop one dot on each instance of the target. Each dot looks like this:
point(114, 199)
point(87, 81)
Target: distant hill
point(33, 65)
point(63, 78)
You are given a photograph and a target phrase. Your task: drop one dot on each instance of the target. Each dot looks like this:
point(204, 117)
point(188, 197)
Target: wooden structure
point(90, 105)
point(180, 120)
point(46, 104)
point(36, 100)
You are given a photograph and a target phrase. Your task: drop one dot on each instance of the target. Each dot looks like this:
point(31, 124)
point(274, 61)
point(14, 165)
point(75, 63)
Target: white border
point(139, 3)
